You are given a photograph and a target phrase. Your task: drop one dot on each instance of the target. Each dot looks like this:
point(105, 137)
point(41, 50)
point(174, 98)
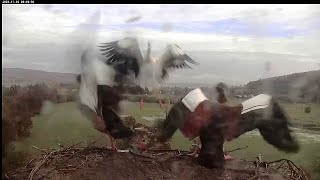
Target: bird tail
point(273, 125)
point(276, 130)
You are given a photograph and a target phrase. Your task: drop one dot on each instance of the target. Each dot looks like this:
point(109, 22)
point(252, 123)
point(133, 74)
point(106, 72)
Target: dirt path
point(99, 163)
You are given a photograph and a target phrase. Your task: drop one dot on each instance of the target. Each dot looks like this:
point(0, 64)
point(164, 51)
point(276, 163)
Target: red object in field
point(167, 106)
point(160, 102)
point(141, 104)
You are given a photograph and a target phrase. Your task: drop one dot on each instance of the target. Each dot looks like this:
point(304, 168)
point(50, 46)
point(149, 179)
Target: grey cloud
point(46, 57)
point(238, 68)
point(44, 50)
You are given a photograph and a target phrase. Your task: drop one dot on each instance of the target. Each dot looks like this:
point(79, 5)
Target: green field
point(64, 124)
point(297, 114)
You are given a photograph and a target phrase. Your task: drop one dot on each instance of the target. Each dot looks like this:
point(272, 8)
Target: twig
point(60, 145)
point(29, 162)
point(72, 169)
point(257, 169)
point(168, 150)
point(80, 150)
point(139, 154)
point(277, 161)
point(237, 149)
point(254, 177)
point(281, 164)
point(294, 169)
point(70, 157)
point(177, 155)
point(257, 162)
point(73, 145)
point(42, 150)
point(36, 168)
point(123, 150)
point(302, 171)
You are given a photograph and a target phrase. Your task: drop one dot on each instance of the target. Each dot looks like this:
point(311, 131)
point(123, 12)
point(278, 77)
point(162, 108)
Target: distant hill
point(189, 85)
point(296, 87)
point(28, 76)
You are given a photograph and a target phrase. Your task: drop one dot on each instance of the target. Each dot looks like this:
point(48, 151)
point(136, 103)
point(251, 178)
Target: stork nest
point(101, 163)
point(94, 163)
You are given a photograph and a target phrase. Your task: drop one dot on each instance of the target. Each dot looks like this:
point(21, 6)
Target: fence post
point(141, 104)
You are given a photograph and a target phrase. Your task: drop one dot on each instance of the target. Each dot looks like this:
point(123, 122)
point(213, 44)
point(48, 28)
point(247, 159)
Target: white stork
point(126, 57)
point(96, 80)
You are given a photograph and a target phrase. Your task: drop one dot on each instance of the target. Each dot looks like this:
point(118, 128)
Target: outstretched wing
point(124, 54)
point(175, 58)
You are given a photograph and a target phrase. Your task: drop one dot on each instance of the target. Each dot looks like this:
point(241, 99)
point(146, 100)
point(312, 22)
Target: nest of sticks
point(151, 163)
point(71, 159)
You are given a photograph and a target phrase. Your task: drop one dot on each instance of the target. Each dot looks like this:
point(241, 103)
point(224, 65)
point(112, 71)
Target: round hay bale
point(307, 109)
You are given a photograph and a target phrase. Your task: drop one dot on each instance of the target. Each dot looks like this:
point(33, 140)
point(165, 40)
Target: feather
point(126, 57)
point(125, 52)
point(175, 58)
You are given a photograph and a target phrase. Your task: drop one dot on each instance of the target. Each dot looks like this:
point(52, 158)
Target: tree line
point(20, 104)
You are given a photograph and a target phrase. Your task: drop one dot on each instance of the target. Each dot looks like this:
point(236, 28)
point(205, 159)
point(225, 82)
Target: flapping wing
point(124, 54)
point(174, 57)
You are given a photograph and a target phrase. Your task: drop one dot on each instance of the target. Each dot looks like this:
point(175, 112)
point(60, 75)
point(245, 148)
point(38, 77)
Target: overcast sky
point(232, 43)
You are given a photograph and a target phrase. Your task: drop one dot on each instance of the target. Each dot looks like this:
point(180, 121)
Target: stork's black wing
point(174, 57)
point(124, 55)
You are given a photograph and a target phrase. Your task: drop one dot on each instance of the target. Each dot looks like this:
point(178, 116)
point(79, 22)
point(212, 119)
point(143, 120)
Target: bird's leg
point(196, 149)
point(222, 99)
point(113, 144)
point(112, 141)
point(227, 157)
point(100, 126)
point(195, 153)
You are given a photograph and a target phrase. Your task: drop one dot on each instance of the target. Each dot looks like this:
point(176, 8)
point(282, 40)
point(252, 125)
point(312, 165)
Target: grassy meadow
point(64, 124)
